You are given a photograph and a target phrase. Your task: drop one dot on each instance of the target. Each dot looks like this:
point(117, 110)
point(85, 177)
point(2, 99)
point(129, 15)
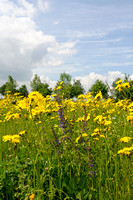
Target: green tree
point(37, 85)
point(3, 89)
point(99, 86)
point(66, 78)
point(125, 92)
point(116, 94)
point(69, 90)
point(76, 89)
point(23, 91)
point(65, 86)
point(11, 85)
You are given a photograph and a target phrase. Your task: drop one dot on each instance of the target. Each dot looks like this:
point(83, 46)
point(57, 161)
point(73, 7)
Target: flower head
point(32, 196)
point(125, 139)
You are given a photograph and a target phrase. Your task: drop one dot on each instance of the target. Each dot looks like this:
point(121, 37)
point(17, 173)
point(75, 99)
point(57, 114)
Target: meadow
point(54, 148)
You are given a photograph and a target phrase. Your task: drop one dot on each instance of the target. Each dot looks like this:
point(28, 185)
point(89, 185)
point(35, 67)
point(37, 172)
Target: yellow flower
point(98, 96)
point(129, 118)
point(59, 87)
point(118, 82)
point(125, 139)
point(102, 136)
point(83, 135)
point(7, 138)
point(118, 87)
point(88, 117)
point(32, 196)
point(16, 115)
point(94, 134)
point(107, 123)
point(15, 139)
point(53, 95)
point(61, 82)
point(123, 152)
point(97, 130)
point(22, 132)
point(96, 138)
point(56, 125)
point(12, 138)
point(80, 119)
point(80, 96)
point(126, 85)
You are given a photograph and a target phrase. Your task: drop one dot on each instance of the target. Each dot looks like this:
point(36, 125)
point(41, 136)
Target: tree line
point(68, 89)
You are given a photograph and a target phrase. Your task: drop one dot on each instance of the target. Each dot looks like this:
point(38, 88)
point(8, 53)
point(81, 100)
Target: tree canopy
point(37, 85)
point(11, 85)
point(69, 90)
point(125, 90)
point(99, 86)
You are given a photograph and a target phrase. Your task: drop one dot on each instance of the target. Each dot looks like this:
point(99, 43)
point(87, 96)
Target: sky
point(87, 39)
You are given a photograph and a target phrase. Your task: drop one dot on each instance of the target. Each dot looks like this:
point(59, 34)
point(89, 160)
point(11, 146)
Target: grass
point(65, 149)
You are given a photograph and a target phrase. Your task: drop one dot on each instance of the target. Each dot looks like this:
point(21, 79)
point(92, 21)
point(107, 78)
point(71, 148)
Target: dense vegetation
point(55, 148)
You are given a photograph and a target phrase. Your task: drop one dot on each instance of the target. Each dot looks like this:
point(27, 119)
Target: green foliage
point(99, 86)
point(116, 94)
point(66, 78)
point(37, 85)
point(76, 89)
point(125, 92)
point(69, 90)
point(3, 89)
point(67, 151)
point(10, 85)
point(23, 91)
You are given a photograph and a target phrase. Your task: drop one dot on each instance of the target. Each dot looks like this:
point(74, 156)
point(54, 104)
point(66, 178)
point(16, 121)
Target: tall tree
point(3, 89)
point(23, 91)
point(11, 85)
point(67, 89)
point(66, 78)
point(99, 86)
point(37, 85)
point(76, 89)
point(124, 92)
point(117, 95)
point(66, 85)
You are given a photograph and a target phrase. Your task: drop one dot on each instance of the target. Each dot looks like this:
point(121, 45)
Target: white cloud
point(48, 81)
point(88, 80)
point(66, 48)
point(44, 80)
point(11, 9)
point(23, 47)
point(131, 77)
point(56, 22)
point(43, 5)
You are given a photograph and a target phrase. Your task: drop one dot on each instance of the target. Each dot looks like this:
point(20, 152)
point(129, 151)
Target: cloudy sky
point(88, 39)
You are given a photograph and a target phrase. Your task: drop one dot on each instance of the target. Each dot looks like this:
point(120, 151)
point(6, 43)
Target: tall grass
point(65, 149)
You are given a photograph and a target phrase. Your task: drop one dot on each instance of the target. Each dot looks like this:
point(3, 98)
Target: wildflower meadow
point(53, 148)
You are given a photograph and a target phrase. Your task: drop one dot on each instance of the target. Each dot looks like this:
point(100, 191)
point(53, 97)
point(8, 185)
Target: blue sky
point(88, 39)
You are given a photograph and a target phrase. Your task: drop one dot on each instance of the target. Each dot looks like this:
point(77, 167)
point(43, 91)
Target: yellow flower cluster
point(126, 150)
point(12, 138)
point(83, 135)
point(130, 116)
point(100, 119)
point(97, 132)
point(121, 85)
point(125, 139)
